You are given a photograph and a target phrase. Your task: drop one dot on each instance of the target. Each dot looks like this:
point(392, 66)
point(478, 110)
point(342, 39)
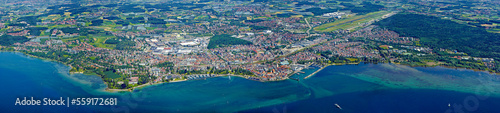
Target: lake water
point(356, 88)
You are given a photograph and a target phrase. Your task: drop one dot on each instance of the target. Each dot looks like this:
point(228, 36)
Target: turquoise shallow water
point(357, 88)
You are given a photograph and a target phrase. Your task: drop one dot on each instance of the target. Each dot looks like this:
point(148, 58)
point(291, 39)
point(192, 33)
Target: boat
point(449, 105)
point(338, 106)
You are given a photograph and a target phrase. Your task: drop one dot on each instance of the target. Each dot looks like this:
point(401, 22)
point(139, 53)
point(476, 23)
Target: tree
point(226, 40)
point(7, 40)
point(124, 85)
point(435, 32)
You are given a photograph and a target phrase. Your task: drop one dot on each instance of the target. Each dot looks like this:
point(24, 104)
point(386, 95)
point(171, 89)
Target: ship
point(338, 106)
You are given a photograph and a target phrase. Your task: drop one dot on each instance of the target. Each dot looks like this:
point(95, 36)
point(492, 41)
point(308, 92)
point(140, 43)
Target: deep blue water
point(390, 101)
point(383, 88)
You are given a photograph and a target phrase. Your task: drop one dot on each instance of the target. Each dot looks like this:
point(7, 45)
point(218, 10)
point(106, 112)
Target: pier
point(316, 71)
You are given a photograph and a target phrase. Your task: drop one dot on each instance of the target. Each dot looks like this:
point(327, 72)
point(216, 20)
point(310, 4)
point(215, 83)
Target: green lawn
point(97, 41)
point(100, 43)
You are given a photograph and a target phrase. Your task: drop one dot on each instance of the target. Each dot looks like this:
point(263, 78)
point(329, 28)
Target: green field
point(349, 22)
point(99, 42)
point(110, 74)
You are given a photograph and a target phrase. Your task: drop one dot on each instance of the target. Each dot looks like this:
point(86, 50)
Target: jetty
point(315, 72)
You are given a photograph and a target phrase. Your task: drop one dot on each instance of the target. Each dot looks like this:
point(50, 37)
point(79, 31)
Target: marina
point(321, 68)
point(201, 76)
point(296, 79)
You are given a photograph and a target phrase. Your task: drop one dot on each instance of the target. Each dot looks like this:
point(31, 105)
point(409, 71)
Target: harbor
point(200, 76)
point(307, 70)
point(315, 65)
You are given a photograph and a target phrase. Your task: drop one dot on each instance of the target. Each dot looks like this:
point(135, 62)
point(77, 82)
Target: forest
point(366, 8)
point(7, 40)
point(29, 19)
point(304, 3)
point(225, 40)
point(156, 21)
point(97, 22)
point(112, 18)
point(130, 8)
point(74, 9)
point(36, 31)
point(435, 32)
point(166, 64)
point(125, 45)
point(319, 11)
point(112, 41)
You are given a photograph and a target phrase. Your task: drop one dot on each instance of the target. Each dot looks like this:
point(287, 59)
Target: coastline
point(42, 58)
point(158, 92)
point(50, 60)
point(158, 83)
point(116, 90)
point(308, 76)
point(141, 86)
point(450, 67)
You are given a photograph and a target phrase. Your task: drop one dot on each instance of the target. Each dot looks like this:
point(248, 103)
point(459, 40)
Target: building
point(133, 80)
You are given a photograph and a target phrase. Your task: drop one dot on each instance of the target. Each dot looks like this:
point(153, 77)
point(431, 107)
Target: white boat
point(338, 106)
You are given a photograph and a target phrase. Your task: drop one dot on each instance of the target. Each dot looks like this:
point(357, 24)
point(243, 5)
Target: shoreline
point(159, 83)
point(46, 59)
point(450, 67)
point(266, 105)
point(242, 76)
point(141, 86)
point(308, 76)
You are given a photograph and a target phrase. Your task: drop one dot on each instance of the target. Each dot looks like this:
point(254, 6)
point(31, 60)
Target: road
point(310, 27)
